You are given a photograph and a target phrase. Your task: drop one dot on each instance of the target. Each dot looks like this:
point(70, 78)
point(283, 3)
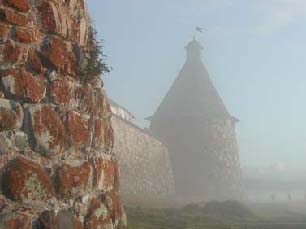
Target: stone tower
point(57, 167)
point(199, 132)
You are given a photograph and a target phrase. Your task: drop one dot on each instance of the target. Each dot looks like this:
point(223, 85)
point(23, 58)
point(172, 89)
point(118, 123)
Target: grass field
point(217, 215)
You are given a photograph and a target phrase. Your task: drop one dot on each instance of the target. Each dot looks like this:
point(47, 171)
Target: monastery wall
point(145, 168)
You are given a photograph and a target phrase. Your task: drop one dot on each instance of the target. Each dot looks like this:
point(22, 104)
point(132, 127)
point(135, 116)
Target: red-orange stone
point(47, 17)
point(33, 63)
point(10, 118)
point(25, 35)
point(114, 203)
point(73, 181)
point(109, 137)
point(15, 221)
point(62, 92)
point(98, 127)
point(60, 56)
point(104, 174)
point(98, 215)
point(23, 180)
point(4, 30)
point(78, 129)
point(85, 96)
point(13, 17)
point(21, 5)
point(11, 52)
point(23, 85)
point(48, 129)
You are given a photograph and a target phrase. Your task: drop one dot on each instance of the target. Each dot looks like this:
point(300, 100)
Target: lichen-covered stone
point(12, 140)
point(58, 123)
point(47, 128)
point(54, 18)
point(98, 125)
point(25, 35)
point(4, 30)
point(60, 55)
point(21, 84)
point(114, 204)
point(62, 92)
point(85, 96)
point(73, 181)
point(63, 219)
point(21, 5)
point(33, 63)
point(11, 53)
point(24, 180)
point(78, 128)
point(105, 174)
point(10, 16)
point(98, 215)
point(11, 115)
point(15, 221)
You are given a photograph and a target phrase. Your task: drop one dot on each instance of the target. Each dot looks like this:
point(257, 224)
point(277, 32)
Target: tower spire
point(194, 50)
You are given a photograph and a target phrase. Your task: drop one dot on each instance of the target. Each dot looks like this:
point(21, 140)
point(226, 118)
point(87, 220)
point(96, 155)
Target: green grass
point(226, 215)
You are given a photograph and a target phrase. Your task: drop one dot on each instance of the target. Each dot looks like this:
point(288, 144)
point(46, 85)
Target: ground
point(215, 215)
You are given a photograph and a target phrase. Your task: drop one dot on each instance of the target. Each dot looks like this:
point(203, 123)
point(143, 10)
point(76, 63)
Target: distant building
point(193, 122)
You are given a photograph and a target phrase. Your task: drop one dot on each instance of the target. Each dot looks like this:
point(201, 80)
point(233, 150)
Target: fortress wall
point(145, 168)
point(57, 168)
point(226, 150)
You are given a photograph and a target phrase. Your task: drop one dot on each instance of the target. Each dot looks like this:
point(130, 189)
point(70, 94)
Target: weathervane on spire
point(199, 29)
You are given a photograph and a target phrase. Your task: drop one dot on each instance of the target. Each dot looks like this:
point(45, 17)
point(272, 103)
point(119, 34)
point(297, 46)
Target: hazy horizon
point(254, 52)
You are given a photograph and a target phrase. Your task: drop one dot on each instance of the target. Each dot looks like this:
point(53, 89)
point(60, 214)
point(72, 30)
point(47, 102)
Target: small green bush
point(93, 64)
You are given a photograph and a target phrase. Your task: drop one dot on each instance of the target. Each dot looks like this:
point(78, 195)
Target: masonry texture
point(145, 168)
point(56, 141)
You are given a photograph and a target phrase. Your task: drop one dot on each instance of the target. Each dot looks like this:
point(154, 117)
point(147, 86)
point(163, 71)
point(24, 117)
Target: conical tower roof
point(193, 93)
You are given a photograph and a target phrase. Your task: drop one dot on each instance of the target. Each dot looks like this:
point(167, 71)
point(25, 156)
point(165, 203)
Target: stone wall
point(145, 168)
point(57, 166)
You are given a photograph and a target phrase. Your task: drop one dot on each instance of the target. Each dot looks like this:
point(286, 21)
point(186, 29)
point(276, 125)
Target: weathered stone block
point(4, 30)
point(47, 128)
point(5, 146)
point(100, 103)
point(54, 19)
point(9, 16)
point(73, 181)
point(62, 92)
point(60, 55)
point(3, 203)
point(63, 219)
point(104, 174)
point(11, 115)
point(98, 215)
point(25, 35)
point(86, 99)
point(21, 141)
point(109, 137)
point(114, 204)
point(15, 221)
point(98, 127)
point(23, 85)
point(11, 53)
point(78, 129)
point(33, 63)
point(21, 5)
point(24, 180)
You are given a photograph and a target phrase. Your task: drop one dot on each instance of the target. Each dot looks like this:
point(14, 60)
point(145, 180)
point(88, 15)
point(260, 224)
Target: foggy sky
point(255, 52)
